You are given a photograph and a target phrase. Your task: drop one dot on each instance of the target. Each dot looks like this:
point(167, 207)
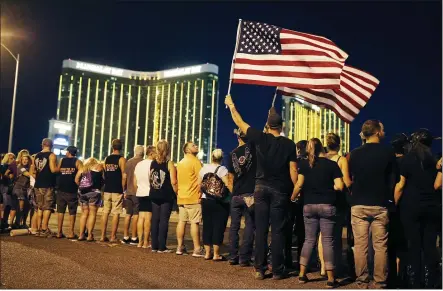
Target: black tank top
point(44, 177)
point(113, 175)
point(66, 181)
point(160, 183)
point(97, 180)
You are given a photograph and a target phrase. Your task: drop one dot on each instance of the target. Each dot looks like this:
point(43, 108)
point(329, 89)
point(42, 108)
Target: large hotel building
point(140, 108)
point(304, 121)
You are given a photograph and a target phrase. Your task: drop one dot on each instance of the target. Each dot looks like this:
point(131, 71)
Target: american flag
point(355, 91)
point(273, 56)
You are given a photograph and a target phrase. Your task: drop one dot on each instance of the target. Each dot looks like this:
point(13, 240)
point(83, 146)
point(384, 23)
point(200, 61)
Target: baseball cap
point(72, 150)
point(274, 119)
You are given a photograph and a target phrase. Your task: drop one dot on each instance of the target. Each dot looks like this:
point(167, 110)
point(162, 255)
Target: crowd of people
point(387, 197)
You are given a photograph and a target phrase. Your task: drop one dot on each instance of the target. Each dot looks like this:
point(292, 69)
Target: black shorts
point(145, 204)
point(131, 204)
point(69, 200)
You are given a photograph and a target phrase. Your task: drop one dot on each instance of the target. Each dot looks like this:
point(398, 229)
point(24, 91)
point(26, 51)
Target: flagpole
point(233, 58)
point(275, 96)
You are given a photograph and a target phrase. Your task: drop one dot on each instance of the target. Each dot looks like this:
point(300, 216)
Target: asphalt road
point(29, 262)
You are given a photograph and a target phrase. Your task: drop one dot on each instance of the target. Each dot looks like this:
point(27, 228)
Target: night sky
point(400, 43)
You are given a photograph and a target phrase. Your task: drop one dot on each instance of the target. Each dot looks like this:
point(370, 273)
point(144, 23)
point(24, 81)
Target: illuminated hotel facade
point(304, 121)
point(140, 108)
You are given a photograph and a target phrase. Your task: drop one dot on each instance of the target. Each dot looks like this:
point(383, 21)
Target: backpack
point(213, 185)
point(85, 181)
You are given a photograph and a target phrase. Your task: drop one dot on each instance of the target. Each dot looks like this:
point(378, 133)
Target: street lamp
point(11, 128)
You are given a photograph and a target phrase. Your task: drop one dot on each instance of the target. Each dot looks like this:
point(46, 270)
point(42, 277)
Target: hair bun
point(217, 154)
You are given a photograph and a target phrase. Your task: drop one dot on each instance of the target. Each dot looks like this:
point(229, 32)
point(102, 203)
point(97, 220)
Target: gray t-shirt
point(129, 171)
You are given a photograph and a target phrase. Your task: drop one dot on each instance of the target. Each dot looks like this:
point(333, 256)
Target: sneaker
point(133, 242)
point(46, 233)
point(181, 250)
point(154, 251)
point(332, 285)
point(246, 264)
point(233, 262)
point(166, 251)
point(125, 241)
point(199, 253)
point(259, 275)
point(303, 280)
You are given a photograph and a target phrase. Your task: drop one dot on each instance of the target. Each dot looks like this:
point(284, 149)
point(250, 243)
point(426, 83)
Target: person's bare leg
point(61, 217)
point(140, 224)
point(207, 252)
point(104, 224)
point(195, 234)
point(331, 277)
point(180, 232)
point(34, 225)
point(39, 215)
point(115, 219)
point(72, 224)
point(216, 252)
point(147, 229)
point(12, 215)
point(46, 217)
point(83, 219)
point(91, 221)
point(127, 224)
point(302, 271)
point(320, 255)
point(134, 225)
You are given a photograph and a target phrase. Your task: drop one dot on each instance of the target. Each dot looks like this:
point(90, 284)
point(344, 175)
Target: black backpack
point(213, 185)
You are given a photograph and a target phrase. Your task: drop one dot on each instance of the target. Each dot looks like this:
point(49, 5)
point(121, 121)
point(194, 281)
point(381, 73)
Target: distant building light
point(99, 69)
point(182, 71)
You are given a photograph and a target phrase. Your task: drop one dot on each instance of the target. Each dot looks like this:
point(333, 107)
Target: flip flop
point(104, 239)
point(72, 237)
point(81, 238)
point(90, 240)
point(60, 236)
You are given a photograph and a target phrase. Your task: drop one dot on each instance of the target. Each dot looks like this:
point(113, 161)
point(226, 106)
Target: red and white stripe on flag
point(273, 56)
point(356, 88)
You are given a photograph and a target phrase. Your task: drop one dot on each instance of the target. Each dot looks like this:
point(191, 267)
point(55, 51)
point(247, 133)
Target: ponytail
point(314, 149)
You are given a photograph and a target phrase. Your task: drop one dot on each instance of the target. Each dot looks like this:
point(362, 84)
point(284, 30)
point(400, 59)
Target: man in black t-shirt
point(242, 166)
point(374, 174)
point(275, 178)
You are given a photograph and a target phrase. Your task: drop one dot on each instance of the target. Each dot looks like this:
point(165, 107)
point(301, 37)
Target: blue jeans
point(239, 208)
point(323, 217)
point(270, 205)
